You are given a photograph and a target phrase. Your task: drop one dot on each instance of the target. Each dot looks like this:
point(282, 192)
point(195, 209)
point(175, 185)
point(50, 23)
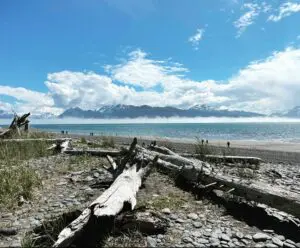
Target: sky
point(228, 54)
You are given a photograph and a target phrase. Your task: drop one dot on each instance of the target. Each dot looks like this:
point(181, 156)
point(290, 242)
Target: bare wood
point(162, 149)
point(110, 203)
point(112, 162)
point(94, 152)
point(234, 159)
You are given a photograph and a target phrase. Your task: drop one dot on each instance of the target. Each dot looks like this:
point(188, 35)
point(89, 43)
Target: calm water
point(212, 131)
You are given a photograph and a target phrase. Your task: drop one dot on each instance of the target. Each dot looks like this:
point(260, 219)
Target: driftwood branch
point(16, 124)
point(123, 191)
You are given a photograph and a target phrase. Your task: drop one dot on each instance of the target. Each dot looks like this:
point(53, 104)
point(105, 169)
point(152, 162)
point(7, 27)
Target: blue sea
point(289, 132)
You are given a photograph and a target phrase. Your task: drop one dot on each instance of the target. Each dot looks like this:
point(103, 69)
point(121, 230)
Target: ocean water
point(289, 132)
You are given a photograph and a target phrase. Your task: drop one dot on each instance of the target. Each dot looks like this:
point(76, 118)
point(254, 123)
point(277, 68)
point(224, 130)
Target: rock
point(238, 235)
point(271, 245)
point(197, 224)
point(248, 237)
point(151, 242)
point(88, 179)
point(160, 236)
point(202, 241)
point(277, 241)
point(259, 245)
point(225, 237)
point(288, 245)
point(280, 237)
point(173, 216)
point(245, 241)
point(268, 231)
point(215, 243)
point(166, 211)
point(297, 245)
point(196, 234)
point(187, 239)
point(192, 216)
point(260, 237)
point(290, 241)
point(96, 174)
point(179, 220)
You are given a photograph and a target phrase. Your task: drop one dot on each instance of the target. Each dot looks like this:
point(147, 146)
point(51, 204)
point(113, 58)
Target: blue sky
point(226, 53)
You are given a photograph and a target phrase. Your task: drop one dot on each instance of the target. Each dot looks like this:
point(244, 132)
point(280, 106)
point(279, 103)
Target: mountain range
point(130, 111)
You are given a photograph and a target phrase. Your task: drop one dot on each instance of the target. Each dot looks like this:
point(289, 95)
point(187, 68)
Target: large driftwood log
point(234, 159)
point(109, 204)
point(94, 152)
point(200, 173)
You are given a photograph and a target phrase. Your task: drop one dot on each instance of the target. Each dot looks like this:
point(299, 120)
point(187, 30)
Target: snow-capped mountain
point(131, 111)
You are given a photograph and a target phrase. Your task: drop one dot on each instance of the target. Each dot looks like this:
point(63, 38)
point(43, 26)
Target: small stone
point(215, 243)
point(196, 234)
point(192, 216)
point(259, 245)
point(151, 242)
point(260, 237)
point(268, 231)
point(280, 237)
point(290, 241)
point(202, 241)
point(197, 224)
point(160, 236)
point(277, 241)
point(271, 245)
point(166, 211)
point(179, 220)
point(245, 241)
point(88, 179)
point(173, 216)
point(288, 245)
point(239, 235)
point(248, 236)
point(225, 237)
point(187, 239)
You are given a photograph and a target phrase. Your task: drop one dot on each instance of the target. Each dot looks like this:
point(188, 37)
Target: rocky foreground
point(70, 183)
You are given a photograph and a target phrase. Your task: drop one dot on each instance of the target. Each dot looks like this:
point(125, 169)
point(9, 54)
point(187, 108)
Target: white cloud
point(141, 71)
point(195, 39)
point(265, 86)
point(248, 18)
point(285, 10)
point(28, 100)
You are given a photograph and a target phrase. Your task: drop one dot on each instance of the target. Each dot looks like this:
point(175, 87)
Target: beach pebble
point(277, 241)
point(197, 224)
point(192, 216)
point(166, 211)
point(260, 237)
point(151, 242)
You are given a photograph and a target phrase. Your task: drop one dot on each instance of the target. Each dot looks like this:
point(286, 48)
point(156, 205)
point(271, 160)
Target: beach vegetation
point(108, 141)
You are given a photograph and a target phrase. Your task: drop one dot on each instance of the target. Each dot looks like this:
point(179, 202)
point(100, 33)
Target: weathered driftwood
point(16, 124)
point(259, 214)
point(201, 174)
point(234, 159)
point(93, 152)
point(259, 192)
point(112, 162)
point(109, 204)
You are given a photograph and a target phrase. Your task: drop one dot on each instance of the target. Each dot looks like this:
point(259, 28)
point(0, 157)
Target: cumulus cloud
point(286, 9)
point(265, 86)
point(28, 100)
point(195, 39)
point(252, 12)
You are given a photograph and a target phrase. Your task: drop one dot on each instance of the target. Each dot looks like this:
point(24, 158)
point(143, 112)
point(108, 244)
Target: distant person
point(143, 145)
point(228, 144)
point(202, 141)
point(206, 142)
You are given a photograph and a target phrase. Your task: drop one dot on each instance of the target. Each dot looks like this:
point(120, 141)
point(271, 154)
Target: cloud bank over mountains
point(264, 86)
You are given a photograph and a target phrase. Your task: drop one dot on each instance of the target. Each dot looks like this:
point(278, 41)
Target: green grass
point(171, 201)
point(16, 177)
point(108, 142)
